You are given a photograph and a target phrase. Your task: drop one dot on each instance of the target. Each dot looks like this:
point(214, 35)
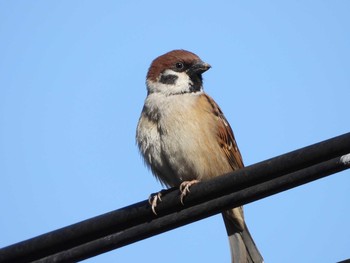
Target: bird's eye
point(179, 65)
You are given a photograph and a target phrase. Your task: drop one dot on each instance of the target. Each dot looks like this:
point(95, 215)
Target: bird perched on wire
point(185, 138)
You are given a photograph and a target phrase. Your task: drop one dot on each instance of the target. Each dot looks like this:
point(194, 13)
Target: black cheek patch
point(197, 83)
point(168, 79)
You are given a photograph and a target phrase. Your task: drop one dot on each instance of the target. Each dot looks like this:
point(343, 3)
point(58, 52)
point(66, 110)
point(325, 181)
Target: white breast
point(178, 139)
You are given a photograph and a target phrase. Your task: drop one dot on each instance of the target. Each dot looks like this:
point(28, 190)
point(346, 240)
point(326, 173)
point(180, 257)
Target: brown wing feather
point(226, 138)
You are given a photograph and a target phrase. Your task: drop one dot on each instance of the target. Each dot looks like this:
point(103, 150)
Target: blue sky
point(72, 87)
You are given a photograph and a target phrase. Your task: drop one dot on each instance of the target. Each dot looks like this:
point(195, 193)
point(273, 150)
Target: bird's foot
point(185, 188)
point(154, 199)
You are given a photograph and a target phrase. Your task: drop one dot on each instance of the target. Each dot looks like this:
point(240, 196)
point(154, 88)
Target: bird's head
point(176, 72)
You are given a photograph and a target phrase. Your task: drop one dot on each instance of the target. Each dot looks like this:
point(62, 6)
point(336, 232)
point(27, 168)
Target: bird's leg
point(185, 188)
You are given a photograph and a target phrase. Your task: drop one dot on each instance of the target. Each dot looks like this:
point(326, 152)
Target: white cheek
point(182, 84)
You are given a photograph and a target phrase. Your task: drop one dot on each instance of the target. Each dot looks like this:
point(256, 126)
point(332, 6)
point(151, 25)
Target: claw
point(185, 188)
point(153, 200)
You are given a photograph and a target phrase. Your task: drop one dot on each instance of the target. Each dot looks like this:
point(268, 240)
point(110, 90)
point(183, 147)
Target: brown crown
point(168, 61)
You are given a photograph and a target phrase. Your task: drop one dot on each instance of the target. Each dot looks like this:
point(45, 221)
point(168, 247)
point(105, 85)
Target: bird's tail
point(242, 246)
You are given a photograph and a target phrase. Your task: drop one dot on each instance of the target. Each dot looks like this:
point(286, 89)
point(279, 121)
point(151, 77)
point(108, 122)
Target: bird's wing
point(226, 138)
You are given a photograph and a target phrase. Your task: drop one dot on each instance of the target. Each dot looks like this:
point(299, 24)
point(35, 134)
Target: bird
point(184, 138)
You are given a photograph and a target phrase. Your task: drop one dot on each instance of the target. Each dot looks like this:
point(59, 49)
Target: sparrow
point(185, 138)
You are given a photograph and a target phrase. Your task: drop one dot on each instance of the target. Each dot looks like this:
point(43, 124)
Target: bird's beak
point(199, 68)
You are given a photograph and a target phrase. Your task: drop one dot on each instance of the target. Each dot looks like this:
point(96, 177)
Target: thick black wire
point(137, 214)
point(198, 212)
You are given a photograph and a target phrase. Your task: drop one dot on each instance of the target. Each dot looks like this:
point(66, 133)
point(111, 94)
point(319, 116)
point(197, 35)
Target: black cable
point(200, 211)
point(127, 217)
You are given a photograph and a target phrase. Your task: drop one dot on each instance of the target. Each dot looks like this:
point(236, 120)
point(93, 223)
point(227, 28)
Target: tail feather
point(242, 246)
